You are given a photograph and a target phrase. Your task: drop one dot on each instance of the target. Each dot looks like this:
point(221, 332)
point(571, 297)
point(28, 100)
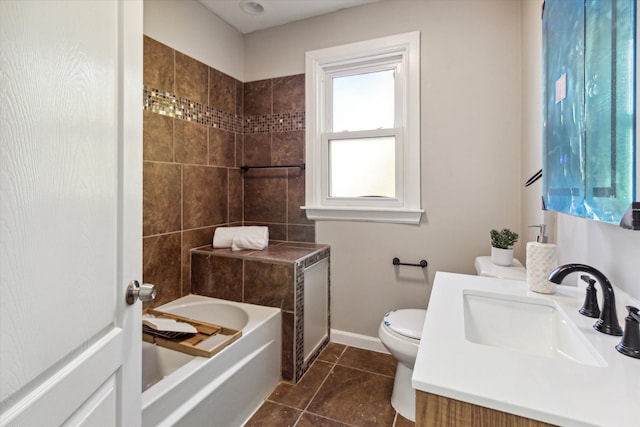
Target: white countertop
point(552, 390)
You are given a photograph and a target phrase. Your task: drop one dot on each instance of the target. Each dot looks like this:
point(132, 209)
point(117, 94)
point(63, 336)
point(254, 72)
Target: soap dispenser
point(541, 260)
point(541, 238)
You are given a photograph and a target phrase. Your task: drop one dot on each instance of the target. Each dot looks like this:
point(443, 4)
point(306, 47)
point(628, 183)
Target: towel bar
point(246, 168)
point(423, 263)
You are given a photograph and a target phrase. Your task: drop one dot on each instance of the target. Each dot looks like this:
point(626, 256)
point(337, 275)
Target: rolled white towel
point(224, 236)
point(248, 242)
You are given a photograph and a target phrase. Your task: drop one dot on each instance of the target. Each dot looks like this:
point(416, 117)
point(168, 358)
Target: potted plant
point(502, 246)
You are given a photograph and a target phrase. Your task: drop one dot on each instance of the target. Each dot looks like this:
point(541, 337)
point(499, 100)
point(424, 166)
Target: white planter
point(502, 257)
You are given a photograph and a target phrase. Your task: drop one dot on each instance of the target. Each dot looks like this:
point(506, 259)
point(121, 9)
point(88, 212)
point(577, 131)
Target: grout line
point(298, 419)
point(360, 369)
point(341, 354)
point(367, 371)
point(320, 386)
point(318, 389)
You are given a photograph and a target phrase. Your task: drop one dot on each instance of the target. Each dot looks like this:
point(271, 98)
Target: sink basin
point(530, 325)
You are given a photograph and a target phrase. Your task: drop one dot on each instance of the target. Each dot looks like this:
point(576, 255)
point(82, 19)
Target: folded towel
point(249, 237)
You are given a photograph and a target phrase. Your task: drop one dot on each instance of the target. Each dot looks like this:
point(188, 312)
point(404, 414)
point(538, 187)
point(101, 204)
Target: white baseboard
point(357, 340)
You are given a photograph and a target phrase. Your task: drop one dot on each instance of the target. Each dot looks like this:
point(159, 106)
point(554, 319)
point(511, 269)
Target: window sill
point(390, 215)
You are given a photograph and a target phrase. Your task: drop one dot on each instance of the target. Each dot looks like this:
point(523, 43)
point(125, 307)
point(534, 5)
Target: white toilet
point(400, 332)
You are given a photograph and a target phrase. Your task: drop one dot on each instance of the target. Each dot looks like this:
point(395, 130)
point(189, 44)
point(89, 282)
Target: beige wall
point(471, 176)
point(187, 26)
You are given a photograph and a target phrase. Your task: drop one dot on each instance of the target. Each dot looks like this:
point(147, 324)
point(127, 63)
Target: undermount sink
point(530, 325)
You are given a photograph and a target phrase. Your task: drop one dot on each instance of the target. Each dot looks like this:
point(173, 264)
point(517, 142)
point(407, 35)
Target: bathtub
point(223, 390)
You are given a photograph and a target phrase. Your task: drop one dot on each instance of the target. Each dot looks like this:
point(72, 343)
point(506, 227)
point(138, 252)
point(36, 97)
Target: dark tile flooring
point(345, 386)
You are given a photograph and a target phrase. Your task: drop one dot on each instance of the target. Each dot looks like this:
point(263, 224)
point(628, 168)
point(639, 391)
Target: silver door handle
point(144, 292)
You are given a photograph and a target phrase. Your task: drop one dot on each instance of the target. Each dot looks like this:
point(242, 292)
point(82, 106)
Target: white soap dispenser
point(541, 260)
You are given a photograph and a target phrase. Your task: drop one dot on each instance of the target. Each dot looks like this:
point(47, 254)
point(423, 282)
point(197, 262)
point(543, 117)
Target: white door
point(70, 211)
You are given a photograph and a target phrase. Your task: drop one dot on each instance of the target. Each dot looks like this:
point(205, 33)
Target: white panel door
point(70, 211)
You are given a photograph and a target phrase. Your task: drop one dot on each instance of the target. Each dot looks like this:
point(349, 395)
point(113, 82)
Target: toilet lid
point(407, 322)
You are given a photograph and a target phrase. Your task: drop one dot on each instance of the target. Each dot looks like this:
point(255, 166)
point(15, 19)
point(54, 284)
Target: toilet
point(400, 332)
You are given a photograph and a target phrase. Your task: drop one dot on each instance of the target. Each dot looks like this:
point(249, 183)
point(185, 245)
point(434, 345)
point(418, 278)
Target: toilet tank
point(484, 267)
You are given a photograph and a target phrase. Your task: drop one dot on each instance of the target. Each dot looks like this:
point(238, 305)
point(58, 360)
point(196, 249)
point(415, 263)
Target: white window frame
point(401, 53)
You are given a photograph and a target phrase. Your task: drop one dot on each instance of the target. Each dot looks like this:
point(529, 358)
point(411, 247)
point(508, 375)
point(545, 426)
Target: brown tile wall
point(274, 136)
point(200, 126)
point(192, 154)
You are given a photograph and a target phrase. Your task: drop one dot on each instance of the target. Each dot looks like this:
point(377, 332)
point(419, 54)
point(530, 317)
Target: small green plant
point(503, 239)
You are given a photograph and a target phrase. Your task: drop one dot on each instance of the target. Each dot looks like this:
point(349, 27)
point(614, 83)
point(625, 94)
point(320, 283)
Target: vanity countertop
point(551, 390)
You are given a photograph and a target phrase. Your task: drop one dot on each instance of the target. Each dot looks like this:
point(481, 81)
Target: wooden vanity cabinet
point(433, 410)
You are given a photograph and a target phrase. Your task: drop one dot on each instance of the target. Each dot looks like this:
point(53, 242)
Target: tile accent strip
point(161, 102)
point(280, 122)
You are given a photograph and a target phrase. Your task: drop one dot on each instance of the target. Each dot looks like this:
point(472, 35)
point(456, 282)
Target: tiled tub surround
point(274, 135)
point(200, 126)
point(272, 277)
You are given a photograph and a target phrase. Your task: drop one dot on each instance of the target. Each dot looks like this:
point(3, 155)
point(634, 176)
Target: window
point(363, 131)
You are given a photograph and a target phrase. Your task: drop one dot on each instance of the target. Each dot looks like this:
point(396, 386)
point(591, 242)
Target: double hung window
point(363, 132)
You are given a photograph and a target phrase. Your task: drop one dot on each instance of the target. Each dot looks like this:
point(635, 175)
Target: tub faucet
point(608, 321)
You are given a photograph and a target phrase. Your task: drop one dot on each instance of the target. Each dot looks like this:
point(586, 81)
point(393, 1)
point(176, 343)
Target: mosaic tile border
point(281, 122)
point(161, 102)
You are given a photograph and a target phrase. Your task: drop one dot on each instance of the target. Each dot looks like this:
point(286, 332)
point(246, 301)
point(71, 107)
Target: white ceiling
point(276, 12)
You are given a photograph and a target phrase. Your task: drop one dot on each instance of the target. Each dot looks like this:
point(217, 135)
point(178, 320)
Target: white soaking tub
point(223, 390)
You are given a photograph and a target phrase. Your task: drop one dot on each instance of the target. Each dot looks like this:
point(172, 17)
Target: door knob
point(144, 292)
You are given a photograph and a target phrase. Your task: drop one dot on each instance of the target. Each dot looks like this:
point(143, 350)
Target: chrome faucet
point(608, 321)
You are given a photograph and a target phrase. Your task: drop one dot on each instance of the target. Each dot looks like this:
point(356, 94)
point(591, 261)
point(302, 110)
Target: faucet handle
point(630, 343)
point(590, 307)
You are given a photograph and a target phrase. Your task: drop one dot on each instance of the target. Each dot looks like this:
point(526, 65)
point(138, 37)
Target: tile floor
point(345, 386)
